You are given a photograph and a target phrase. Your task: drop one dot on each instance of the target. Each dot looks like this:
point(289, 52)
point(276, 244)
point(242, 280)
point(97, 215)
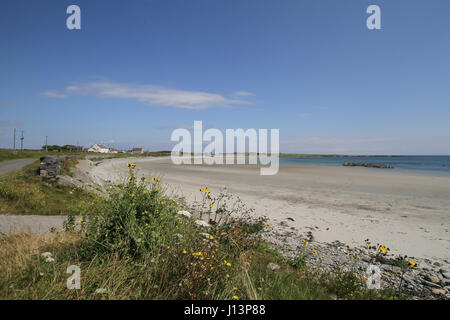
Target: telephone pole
point(14, 139)
point(46, 139)
point(21, 141)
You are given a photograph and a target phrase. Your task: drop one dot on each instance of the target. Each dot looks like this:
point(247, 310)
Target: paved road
point(34, 224)
point(8, 166)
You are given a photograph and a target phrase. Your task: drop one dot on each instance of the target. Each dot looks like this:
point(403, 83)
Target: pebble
point(431, 284)
point(438, 291)
point(273, 266)
point(432, 278)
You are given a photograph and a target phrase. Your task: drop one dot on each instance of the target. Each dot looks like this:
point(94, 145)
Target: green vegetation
point(10, 154)
point(128, 155)
point(139, 243)
point(25, 192)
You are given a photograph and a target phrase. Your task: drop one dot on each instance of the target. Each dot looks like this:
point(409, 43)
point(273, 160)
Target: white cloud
point(150, 95)
point(54, 94)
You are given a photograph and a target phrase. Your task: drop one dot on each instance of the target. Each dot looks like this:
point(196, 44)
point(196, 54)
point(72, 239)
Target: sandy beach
point(408, 212)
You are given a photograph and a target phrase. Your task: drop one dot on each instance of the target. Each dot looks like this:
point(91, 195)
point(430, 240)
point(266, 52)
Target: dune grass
point(139, 243)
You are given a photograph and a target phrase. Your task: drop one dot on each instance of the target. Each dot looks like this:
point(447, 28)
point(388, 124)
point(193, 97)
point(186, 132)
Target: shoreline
point(334, 209)
point(406, 211)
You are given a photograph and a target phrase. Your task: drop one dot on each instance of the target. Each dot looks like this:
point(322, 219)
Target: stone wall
point(51, 166)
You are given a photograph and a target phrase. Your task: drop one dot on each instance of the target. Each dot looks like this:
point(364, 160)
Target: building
point(101, 148)
point(113, 150)
point(137, 150)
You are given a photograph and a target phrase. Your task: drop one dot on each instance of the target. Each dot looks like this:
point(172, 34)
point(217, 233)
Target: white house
point(99, 148)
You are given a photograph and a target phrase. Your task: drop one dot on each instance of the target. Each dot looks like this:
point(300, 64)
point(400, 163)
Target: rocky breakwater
point(51, 166)
point(368, 165)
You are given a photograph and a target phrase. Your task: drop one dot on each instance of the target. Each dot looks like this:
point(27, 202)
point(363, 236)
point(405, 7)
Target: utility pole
point(21, 142)
point(14, 139)
point(46, 143)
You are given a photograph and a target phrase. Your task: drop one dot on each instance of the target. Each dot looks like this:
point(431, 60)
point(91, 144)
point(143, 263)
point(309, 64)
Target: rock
point(432, 278)
point(437, 264)
point(273, 266)
point(51, 166)
point(368, 165)
point(438, 291)
point(431, 284)
point(292, 219)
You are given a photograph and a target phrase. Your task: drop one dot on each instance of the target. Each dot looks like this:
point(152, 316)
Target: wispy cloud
point(150, 95)
point(244, 94)
point(54, 94)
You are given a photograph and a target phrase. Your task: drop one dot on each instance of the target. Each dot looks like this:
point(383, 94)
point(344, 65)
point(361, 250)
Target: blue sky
point(312, 69)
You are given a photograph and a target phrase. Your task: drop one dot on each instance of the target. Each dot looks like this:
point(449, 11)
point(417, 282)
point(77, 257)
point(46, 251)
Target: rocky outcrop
point(368, 165)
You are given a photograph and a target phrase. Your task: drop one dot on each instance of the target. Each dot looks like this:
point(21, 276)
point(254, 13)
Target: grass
point(137, 243)
point(128, 155)
point(10, 154)
point(25, 192)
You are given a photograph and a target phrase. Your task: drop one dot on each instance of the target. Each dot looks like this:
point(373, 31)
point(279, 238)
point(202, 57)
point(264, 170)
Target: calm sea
point(437, 164)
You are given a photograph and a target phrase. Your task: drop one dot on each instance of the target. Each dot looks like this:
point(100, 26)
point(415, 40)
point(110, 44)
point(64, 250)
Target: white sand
point(408, 212)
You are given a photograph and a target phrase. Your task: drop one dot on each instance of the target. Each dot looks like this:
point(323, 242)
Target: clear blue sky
point(139, 68)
